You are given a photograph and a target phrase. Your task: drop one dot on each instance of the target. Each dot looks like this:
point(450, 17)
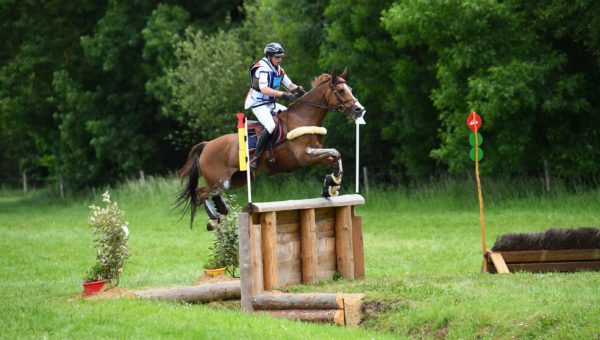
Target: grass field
point(423, 260)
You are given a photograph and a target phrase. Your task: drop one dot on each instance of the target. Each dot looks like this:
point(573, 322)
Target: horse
point(217, 161)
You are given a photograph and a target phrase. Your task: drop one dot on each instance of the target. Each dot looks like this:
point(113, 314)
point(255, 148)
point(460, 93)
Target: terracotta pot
point(93, 287)
point(216, 271)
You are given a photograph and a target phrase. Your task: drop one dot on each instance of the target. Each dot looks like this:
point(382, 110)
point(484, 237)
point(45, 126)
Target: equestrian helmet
point(274, 49)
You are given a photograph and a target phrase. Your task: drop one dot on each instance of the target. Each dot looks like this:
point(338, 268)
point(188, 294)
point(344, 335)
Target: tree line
point(95, 91)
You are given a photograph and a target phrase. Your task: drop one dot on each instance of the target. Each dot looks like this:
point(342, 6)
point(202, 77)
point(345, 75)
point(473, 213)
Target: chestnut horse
point(218, 161)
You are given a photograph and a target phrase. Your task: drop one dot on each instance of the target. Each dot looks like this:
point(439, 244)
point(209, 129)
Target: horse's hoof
point(331, 180)
point(334, 190)
point(330, 191)
point(212, 225)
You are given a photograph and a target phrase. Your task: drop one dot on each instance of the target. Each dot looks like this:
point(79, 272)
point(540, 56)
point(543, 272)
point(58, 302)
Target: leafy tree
point(208, 85)
point(530, 69)
point(400, 122)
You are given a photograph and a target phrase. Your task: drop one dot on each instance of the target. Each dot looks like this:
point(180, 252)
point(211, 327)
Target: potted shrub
point(224, 251)
point(111, 234)
point(94, 281)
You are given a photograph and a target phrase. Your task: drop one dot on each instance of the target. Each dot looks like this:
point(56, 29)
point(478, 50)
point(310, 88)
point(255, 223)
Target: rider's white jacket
point(263, 74)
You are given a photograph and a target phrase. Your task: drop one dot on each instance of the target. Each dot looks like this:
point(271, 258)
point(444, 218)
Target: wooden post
point(308, 246)
point(246, 269)
point(358, 249)
point(268, 222)
point(499, 263)
point(257, 260)
point(547, 176)
point(352, 309)
point(366, 180)
point(61, 186)
point(25, 181)
point(343, 242)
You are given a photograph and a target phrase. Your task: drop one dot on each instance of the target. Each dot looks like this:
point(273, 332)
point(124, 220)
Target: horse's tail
point(190, 173)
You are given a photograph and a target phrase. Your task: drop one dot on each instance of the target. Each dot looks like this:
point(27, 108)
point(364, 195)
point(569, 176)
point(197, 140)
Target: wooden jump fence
point(301, 242)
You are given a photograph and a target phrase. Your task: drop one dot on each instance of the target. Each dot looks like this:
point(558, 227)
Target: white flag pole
point(359, 121)
point(248, 163)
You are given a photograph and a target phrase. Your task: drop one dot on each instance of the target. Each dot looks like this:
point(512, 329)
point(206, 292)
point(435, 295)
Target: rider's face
point(276, 61)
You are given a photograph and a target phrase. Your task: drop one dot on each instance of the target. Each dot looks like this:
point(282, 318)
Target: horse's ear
point(334, 77)
point(344, 74)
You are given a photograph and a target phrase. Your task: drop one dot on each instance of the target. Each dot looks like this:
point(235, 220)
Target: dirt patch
point(108, 292)
point(205, 278)
point(442, 333)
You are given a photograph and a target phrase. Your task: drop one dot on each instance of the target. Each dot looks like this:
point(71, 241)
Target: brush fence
point(540, 261)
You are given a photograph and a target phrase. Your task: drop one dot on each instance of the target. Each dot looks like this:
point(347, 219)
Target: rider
point(265, 77)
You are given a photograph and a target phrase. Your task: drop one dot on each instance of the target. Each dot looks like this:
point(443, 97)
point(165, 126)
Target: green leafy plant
point(96, 273)
point(224, 251)
point(111, 234)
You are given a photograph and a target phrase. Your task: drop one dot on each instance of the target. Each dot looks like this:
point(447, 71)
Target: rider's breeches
point(263, 114)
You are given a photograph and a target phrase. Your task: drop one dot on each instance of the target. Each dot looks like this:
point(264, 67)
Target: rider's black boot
point(260, 145)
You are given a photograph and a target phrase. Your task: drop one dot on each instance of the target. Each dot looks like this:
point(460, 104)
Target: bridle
point(339, 108)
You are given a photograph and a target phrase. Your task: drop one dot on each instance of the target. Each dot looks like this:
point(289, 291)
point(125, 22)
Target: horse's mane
point(320, 80)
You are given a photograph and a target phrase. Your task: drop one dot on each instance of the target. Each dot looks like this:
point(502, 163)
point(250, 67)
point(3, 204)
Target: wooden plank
point(551, 255)
point(325, 224)
point(288, 217)
point(228, 290)
point(319, 315)
point(279, 301)
point(343, 242)
point(268, 224)
point(308, 246)
point(283, 238)
point(339, 201)
point(256, 259)
point(290, 273)
point(288, 251)
point(326, 246)
point(357, 246)
point(325, 275)
point(246, 266)
point(499, 263)
point(324, 213)
point(543, 267)
point(285, 228)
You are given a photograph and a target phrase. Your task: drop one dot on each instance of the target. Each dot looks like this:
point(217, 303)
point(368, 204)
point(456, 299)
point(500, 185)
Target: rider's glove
point(288, 96)
point(300, 90)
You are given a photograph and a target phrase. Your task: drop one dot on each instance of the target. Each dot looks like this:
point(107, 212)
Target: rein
point(340, 108)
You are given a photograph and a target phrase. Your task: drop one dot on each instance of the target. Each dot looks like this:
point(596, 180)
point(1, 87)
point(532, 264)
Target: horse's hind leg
point(213, 215)
point(221, 206)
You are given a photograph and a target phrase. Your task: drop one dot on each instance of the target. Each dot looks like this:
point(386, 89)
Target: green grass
point(422, 252)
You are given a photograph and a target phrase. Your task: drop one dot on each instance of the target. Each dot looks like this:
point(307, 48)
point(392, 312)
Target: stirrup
point(254, 163)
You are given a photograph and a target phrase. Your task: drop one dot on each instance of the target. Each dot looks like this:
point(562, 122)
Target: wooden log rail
point(209, 292)
point(341, 309)
point(299, 242)
point(540, 261)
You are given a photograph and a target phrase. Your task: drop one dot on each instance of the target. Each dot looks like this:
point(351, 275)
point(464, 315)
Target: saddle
point(255, 128)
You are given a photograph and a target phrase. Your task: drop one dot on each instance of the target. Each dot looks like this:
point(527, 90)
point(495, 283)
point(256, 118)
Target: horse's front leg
point(331, 157)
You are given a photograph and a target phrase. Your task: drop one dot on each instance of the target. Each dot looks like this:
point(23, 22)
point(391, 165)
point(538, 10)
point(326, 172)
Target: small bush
point(111, 234)
point(224, 251)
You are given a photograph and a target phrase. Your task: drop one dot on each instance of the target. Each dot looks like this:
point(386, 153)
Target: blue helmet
point(274, 49)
